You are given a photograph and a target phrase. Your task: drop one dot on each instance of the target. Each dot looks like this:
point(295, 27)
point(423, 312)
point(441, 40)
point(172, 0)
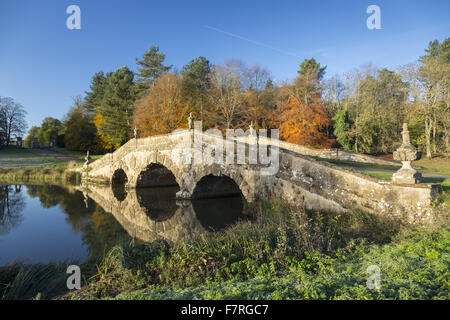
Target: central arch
point(211, 186)
point(156, 175)
point(218, 202)
point(156, 188)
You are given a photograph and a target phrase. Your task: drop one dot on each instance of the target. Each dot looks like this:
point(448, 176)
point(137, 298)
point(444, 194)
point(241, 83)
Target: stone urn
point(406, 153)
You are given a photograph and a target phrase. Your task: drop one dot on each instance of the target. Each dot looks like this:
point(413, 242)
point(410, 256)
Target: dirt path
point(59, 156)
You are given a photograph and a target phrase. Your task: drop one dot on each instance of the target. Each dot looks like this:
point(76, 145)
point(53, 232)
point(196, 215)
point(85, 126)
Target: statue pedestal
point(406, 153)
point(407, 174)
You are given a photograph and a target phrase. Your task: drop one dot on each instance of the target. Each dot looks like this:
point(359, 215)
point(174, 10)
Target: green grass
point(437, 165)
point(378, 174)
point(414, 266)
point(283, 254)
point(76, 154)
point(25, 159)
point(359, 164)
point(32, 281)
point(59, 175)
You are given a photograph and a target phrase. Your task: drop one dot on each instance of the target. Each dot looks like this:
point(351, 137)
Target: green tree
point(79, 132)
point(49, 130)
point(196, 82)
point(94, 98)
point(150, 67)
point(310, 66)
point(118, 106)
point(434, 101)
point(32, 133)
point(438, 50)
point(342, 126)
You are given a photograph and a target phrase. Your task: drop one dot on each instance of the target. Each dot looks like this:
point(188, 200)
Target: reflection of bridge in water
point(148, 214)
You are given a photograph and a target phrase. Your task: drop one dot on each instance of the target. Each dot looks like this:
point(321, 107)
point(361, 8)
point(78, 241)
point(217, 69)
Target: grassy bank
point(283, 254)
point(35, 281)
point(28, 165)
point(60, 175)
point(27, 159)
point(76, 154)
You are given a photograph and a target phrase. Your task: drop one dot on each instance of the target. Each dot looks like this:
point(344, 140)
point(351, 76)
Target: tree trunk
point(434, 131)
point(428, 136)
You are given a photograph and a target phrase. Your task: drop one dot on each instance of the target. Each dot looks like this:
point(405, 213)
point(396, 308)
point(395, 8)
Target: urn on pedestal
point(406, 153)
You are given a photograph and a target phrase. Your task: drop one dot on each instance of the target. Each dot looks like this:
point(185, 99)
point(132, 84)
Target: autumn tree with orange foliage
point(98, 123)
point(162, 109)
point(303, 117)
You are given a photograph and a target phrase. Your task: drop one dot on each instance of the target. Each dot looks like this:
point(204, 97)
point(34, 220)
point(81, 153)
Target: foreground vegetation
point(283, 254)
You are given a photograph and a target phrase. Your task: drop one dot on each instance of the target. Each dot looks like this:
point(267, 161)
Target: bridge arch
point(225, 209)
point(216, 186)
point(236, 174)
point(156, 175)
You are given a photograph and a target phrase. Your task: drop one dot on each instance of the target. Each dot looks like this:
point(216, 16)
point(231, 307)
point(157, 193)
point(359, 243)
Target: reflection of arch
point(211, 186)
point(119, 177)
point(118, 181)
point(218, 214)
point(156, 175)
point(158, 203)
point(218, 202)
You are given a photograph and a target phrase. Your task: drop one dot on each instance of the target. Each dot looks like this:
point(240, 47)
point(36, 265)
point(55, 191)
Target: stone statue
point(87, 158)
point(252, 128)
point(406, 153)
point(136, 132)
point(191, 121)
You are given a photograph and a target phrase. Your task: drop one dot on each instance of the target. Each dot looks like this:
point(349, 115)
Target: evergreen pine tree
point(196, 82)
point(118, 106)
point(150, 68)
point(94, 98)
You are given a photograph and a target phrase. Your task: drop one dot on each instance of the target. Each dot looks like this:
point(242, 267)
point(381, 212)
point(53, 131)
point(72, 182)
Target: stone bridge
point(173, 160)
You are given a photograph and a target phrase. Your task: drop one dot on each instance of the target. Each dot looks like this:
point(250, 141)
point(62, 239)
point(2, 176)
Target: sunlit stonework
point(406, 153)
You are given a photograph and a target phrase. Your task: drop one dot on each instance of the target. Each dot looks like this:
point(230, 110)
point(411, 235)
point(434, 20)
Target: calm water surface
point(48, 223)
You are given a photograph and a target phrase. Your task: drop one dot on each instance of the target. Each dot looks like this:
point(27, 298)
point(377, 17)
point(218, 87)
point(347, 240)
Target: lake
point(50, 223)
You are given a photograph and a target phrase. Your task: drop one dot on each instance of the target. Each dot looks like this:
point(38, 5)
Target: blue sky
point(43, 64)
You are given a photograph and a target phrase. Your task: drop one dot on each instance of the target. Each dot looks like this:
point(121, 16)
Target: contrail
point(254, 42)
